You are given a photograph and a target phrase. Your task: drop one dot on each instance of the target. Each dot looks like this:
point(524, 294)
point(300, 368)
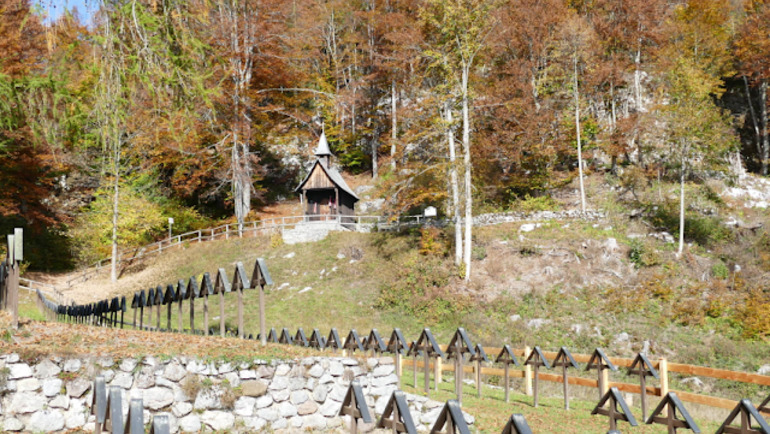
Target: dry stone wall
point(54, 394)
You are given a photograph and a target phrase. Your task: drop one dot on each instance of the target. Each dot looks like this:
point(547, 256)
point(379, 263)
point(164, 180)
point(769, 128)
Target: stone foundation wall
point(284, 396)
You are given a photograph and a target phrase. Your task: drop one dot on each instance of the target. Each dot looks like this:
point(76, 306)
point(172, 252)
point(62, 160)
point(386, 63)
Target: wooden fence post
point(527, 373)
point(200, 236)
point(663, 372)
point(437, 373)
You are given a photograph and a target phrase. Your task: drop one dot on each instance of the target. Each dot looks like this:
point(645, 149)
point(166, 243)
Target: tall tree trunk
point(681, 209)
point(450, 135)
point(467, 164)
point(765, 135)
point(393, 125)
point(579, 144)
point(638, 77)
point(757, 131)
point(375, 166)
point(115, 206)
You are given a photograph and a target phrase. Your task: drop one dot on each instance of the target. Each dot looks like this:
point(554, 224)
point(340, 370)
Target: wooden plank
point(707, 400)
point(744, 377)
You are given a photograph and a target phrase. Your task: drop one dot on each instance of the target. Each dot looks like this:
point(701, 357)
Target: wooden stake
point(262, 327)
point(507, 383)
point(240, 313)
point(206, 315)
point(222, 313)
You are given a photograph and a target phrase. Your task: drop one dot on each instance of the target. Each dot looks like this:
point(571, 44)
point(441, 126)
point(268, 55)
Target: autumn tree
point(752, 48)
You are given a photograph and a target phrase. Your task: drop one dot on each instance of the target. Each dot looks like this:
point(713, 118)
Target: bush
point(643, 254)
point(539, 203)
point(720, 271)
point(704, 230)
point(755, 315)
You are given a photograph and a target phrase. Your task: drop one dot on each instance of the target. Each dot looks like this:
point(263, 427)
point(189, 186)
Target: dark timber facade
point(324, 192)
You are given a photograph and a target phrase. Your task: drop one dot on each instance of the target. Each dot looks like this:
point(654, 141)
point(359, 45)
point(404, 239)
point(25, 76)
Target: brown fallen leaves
point(36, 339)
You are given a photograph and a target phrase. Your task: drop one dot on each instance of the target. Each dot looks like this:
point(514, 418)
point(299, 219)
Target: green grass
point(491, 411)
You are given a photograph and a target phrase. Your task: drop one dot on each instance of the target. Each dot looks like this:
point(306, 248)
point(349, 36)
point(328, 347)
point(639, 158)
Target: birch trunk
point(454, 186)
point(393, 125)
point(681, 209)
point(115, 205)
point(765, 135)
point(467, 164)
point(579, 144)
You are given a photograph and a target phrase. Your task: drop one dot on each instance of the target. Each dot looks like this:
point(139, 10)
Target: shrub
point(755, 315)
point(538, 203)
point(643, 254)
point(720, 271)
point(432, 242)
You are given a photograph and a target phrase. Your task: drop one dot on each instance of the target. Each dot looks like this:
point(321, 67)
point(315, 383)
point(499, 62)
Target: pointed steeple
point(322, 150)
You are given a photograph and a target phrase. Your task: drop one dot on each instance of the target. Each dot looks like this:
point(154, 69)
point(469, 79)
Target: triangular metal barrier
point(427, 344)
point(479, 356)
point(261, 276)
point(517, 424)
point(506, 357)
point(135, 422)
point(300, 338)
point(565, 360)
point(601, 363)
point(99, 402)
point(764, 407)
point(285, 337)
point(458, 346)
point(536, 359)
point(316, 340)
point(113, 421)
point(642, 367)
point(333, 341)
point(273, 336)
point(374, 343)
point(451, 420)
point(240, 281)
point(673, 405)
point(353, 342)
point(397, 415)
point(354, 405)
point(615, 399)
point(747, 413)
point(160, 424)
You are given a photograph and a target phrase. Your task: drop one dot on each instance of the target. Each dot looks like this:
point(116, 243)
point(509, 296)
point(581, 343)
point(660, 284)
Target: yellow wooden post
point(605, 381)
point(527, 373)
point(437, 372)
point(663, 373)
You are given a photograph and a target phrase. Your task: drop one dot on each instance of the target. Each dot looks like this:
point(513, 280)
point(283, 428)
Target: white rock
point(280, 395)
point(61, 401)
point(190, 423)
point(26, 402)
point(28, 385)
point(298, 397)
point(244, 406)
point(316, 371)
point(319, 393)
point(46, 421)
point(123, 379)
point(174, 372)
point(52, 386)
point(336, 369)
point(383, 370)
point(255, 424)
point(157, 397)
point(764, 370)
point(269, 414)
point(611, 245)
point(226, 367)
point(281, 423)
point(279, 383)
point(12, 424)
point(75, 417)
point(206, 400)
point(528, 227)
point(329, 408)
point(305, 289)
point(537, 323)
point(72, 365)
point(108, 375)
point(181, 409)
point(19, 370)
point(12, 358)
point(264, 401)
point(286, 409)
point(128, 365)
point(46, 369)
point(289, 255)
point(314, 422)
point(218, 420)
point(249, 374)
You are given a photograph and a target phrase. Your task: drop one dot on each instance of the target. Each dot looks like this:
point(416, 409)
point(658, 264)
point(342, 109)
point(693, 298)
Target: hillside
point(615, 283)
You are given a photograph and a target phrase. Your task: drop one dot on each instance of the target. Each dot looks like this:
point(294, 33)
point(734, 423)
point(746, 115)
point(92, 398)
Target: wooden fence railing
point(106, 313)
